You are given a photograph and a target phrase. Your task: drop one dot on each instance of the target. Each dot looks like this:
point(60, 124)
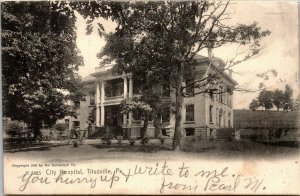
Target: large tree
point(161, 39)
point(288, 101)
point(39, 61)
point(278, 99)
point(265, 99)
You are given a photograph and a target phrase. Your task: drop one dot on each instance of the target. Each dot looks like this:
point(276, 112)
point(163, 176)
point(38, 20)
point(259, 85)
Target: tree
point(287, 98)
point(162, 39)
point(14, 128)
point(278, 99)
point(254, 105)
point(265, 99)
point(39, 62)
point(138, 104)
point(297, 103)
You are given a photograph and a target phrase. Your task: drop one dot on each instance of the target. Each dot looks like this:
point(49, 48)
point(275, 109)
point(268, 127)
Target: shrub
point(60, 127)
point(119, 138)
point(227, 134)
point(145, 140)
point(194, 138)
point(14, 128)
point(131, 141)
point(75, 144)
point(106, 139)
point(162, 139)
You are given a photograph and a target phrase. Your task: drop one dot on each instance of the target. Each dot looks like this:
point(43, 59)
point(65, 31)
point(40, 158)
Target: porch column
point(130, 87)
point(125, 87)
point(125, 97)
point(97, 98)
point(102, 103)
point(130, 96)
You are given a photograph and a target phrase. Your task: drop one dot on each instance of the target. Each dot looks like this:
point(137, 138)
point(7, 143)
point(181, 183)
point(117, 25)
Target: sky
point(280, 52)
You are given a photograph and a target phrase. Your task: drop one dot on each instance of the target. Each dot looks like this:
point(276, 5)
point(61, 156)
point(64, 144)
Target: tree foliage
point(14, 128)
point(157, 41)
point(265, 99)
point(254, 105)
point(39, 61)
point(278, 98)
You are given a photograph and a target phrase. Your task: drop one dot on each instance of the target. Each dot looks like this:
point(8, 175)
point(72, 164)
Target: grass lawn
point(154, 150)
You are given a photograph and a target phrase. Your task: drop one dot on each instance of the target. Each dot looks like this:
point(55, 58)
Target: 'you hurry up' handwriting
point(172, 179)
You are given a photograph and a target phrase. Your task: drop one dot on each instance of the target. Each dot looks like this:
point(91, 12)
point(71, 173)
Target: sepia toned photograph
point(150, 97)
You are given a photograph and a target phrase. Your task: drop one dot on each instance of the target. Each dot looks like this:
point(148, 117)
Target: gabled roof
point(216, 63)
point(249, 119)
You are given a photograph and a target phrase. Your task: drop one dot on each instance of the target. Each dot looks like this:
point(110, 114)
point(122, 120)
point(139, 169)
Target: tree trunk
point(179, 100)
point(36, 125)
point(144, 129)
point(156, 122)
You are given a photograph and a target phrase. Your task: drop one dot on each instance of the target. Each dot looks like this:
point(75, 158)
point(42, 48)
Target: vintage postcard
point(150, 97)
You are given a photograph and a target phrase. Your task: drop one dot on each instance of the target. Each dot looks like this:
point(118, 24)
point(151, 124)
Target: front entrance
point(113, 120)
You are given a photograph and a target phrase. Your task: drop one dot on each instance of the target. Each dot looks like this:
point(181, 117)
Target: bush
point(106, 139)
point(227, 134)
point(60, 127)
point(131, 141)
point(75, 144)
point(194, 138)
point(162, 139)
point(145, 140)
point(14, 129)
point(119, 138)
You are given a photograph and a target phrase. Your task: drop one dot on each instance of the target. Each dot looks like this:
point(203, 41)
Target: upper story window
point(229, 119)
point(165, 116)
point(166, 90)
point(189, 116)
point(221, 94)
point(210, 113)
point(114, 87)
point(92, 99)
point(189, 90)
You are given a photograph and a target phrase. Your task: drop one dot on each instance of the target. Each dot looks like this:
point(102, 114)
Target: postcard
point(150, 97)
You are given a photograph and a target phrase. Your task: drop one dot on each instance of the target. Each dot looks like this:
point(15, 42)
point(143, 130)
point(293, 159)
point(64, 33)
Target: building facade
point(202, 113)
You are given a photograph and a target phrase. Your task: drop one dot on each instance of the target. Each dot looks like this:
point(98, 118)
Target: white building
point(202, 113)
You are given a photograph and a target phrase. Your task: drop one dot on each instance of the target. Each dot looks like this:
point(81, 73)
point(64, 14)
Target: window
point(165, 116)
point(217, 94)
point(210, 114)
point(114, 87)
point(137, 115)
point(217, 122)
point(221, 94)
point(92, 99)
point(76, 124)
point(189, 131)
point(164, 132)
point(189, 91)
point(67, 121)
point(189, 113)
point(150, 117)
point(224, 119)
point(166, 90)
point(229, 121)
point(211, 94)
point(220, 116)
point(229, 101)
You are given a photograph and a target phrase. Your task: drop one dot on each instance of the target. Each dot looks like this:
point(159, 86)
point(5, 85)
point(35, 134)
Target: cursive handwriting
point(32, 178)
point(188, 179)
point(157, 170)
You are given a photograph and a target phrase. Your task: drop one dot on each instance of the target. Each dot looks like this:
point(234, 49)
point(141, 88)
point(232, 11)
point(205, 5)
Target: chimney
point(210, 54)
